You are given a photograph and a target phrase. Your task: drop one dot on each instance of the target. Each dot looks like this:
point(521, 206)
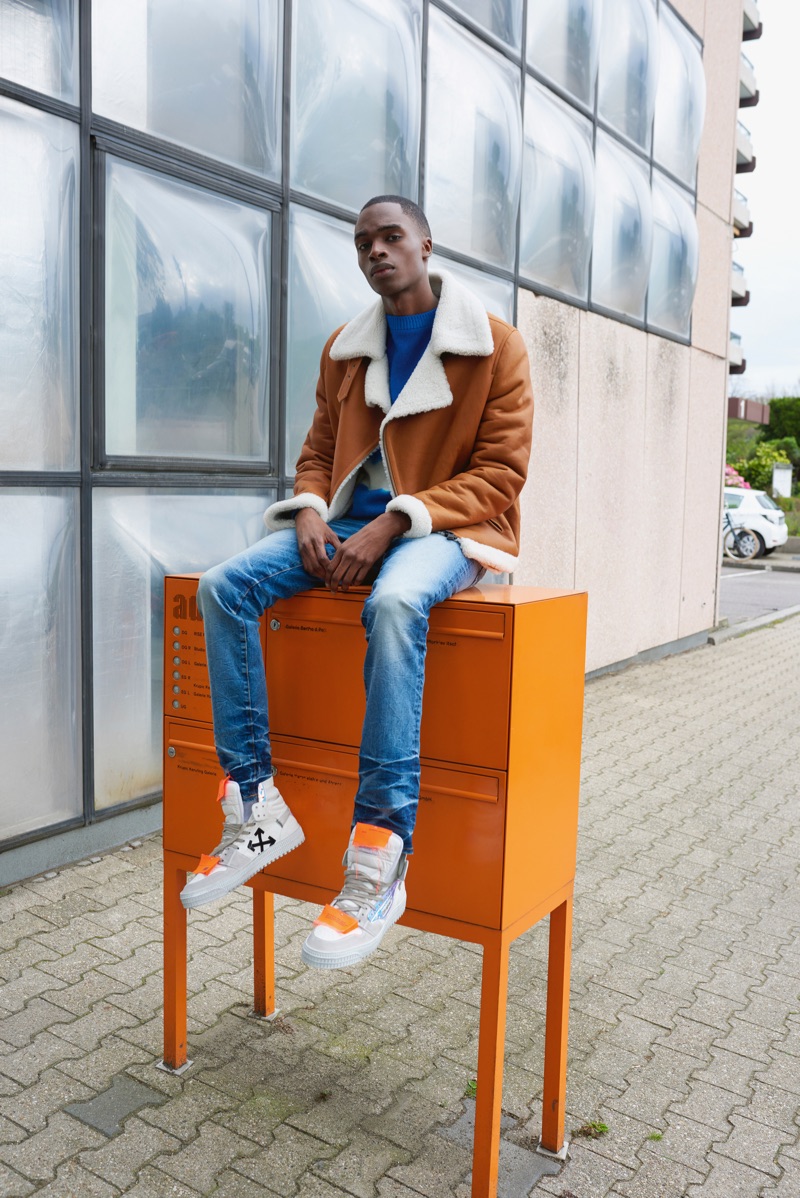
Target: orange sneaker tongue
point(205, 864)
point(367, 836)
point(221, 790)
point(332, 917)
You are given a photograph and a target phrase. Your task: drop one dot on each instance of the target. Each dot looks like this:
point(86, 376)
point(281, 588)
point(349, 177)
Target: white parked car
point(760, 513)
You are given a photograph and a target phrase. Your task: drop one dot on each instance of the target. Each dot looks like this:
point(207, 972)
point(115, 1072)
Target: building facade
point(177, 207)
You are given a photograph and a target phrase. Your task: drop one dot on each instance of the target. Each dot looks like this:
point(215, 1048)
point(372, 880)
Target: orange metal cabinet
point(496, 832)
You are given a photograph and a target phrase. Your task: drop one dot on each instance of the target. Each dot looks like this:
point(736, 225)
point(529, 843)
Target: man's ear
point(427, 247)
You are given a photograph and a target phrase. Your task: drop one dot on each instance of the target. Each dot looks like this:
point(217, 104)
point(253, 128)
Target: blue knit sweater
point(406, 341)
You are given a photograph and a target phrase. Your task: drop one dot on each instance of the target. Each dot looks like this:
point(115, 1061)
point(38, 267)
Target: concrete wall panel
point(611, 423)
point(705, 459)
point(549, 500)
point(712, 300)
point(721, 56)
point(660, 549)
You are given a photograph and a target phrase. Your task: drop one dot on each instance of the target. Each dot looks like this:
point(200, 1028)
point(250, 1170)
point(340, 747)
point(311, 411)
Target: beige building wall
point(624, 494)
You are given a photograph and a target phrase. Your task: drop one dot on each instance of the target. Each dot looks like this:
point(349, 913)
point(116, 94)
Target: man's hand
point(355, 557)
point(313, 534)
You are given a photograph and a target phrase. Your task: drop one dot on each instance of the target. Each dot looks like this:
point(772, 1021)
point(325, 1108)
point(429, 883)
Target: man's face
point(392, 252)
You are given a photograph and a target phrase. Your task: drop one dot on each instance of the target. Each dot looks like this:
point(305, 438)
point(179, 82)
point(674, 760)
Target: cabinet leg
point(263, 952)
point(174, 966)
point(555, 1040)
point(491, 1050)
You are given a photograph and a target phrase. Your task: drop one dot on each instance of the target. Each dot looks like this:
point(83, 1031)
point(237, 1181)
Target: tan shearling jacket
point(456, 441)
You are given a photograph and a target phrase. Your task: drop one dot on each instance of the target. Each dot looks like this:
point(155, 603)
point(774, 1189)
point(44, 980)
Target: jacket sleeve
point(315, 465)
point(498, 465)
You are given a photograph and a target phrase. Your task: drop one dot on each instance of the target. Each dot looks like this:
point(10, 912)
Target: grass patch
point(592, 1130)
point(656, 1135)
point(471, 1088)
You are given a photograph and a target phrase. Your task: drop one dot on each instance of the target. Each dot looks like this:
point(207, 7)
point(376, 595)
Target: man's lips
point(383, 268)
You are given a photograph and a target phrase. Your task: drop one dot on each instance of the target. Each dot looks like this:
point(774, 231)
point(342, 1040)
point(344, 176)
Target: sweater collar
point(461, 326)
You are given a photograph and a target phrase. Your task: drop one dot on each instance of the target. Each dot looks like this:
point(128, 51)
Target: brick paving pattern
point(685, 1020)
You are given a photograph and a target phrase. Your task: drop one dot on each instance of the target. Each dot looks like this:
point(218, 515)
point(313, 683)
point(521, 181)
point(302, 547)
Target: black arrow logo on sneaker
point(263, 842)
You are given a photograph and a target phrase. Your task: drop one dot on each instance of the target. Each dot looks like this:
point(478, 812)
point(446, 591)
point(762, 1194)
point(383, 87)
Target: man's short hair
point(411, 210)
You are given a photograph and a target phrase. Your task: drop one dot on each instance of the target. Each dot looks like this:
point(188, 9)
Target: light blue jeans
point(415, 574)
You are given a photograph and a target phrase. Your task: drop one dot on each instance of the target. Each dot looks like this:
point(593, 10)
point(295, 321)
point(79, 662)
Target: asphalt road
point(749, 593)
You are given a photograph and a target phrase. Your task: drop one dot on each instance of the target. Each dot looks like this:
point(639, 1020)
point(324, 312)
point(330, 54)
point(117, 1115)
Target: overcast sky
point(770, 324)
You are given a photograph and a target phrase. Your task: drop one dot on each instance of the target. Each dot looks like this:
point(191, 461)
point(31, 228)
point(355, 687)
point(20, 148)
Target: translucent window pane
point(623, 229)
point(139, 537)
point(496, 294)
point(326, 289)
point(474, 142)
point(680, 100)
point(39, 295)
point(673, 273)
point(39, 46)
point(40, 725)
point(564, 43)
point(187, 320)
point(206, 75)
point(557, 194)
point(356, 102)
point(628, 73)
point(503, 18)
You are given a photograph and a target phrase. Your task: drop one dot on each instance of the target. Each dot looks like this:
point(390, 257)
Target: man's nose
point(377, 251)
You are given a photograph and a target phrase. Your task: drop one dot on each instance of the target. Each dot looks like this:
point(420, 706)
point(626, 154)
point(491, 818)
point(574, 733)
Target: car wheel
point(768, 551)
point(749, 544)
point(762, 547)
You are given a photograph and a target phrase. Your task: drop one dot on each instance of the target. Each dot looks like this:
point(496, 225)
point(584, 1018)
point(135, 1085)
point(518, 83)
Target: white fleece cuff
point(496, 560)
point(281, 515)
point(418, 514)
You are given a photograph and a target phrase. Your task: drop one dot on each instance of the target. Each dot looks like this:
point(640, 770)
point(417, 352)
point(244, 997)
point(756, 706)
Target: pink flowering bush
point(734, 479)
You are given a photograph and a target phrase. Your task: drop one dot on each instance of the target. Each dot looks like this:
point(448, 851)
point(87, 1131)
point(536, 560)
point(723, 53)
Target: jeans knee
point(391, 608)
point(213, 589)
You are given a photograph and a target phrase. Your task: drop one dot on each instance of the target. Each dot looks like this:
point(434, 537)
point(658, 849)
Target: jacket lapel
point(461, 326)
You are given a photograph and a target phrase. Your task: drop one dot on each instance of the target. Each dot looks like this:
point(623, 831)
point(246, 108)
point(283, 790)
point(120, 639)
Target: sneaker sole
point(230, 881)
point(328, 961)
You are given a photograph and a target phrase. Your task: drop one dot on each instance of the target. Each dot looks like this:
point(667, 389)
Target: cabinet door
point(315, 658)
point(192, 816)
point(457, 866)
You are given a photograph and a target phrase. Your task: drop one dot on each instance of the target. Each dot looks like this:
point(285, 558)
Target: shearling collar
point(460, 326)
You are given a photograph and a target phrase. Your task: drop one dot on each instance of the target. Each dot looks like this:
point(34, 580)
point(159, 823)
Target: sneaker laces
point(363, 888)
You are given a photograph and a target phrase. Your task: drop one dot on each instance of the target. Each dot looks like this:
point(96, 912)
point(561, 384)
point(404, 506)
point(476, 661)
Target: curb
point(724, 634)
point(758, 563)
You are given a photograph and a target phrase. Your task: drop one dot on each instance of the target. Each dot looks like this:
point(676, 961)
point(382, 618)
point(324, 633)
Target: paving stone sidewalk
point(685, 1014)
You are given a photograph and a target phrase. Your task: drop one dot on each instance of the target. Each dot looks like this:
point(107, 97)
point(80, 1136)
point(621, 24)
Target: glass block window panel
point(496, 294)
point(673, 272)
point(623, 229)
point(680, 100)
point(326, 289)
point(39, 46)
point(40, 723)
point(39, 294)
point(628, 72)
point(187, 320)
point(564, 43)
point(356, 101)
point(207, 75)
point(557, 194)
point(503, 18)
point(140, 536)
point(474, 144)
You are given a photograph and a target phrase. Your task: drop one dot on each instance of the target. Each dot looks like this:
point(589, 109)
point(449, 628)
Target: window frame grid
point(100, 136)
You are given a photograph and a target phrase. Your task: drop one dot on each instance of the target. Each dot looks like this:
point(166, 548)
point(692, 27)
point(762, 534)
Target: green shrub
point(757, 470)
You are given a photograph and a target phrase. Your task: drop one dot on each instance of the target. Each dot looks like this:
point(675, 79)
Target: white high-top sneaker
point(372, 899)
point(270, 832)
point(230, 800)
